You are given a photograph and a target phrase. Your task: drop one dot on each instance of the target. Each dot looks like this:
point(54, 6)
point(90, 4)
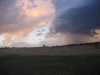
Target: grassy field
point(75, 60)
point(70, 50)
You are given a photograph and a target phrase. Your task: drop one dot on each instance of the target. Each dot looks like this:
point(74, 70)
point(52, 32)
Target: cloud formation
point(19, 17)
point(76, 17)
point(38, 34)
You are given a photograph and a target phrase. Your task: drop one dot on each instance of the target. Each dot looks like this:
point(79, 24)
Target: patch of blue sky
point(33, 39)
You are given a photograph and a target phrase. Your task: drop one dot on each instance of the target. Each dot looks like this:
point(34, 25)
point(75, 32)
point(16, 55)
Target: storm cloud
point(76, 17)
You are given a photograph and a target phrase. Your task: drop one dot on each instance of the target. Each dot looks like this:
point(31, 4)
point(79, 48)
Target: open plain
point(71, 60)
point(69, 50)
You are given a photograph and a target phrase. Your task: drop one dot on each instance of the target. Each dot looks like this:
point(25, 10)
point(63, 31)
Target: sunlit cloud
point(20, 17)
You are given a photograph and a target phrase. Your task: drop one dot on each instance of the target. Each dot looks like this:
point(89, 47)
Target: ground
point(73, 60)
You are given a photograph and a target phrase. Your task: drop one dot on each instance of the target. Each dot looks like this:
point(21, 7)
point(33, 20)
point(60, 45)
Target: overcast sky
point(49, 22)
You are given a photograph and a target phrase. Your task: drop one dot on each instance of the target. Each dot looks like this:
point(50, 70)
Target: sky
point(32, 23)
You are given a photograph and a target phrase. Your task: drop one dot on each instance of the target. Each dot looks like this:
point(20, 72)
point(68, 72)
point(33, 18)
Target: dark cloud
point(38, 34)
point(43, 30)
point(76, 17)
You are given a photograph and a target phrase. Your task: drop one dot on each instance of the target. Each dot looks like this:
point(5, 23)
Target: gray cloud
point(38, 34)
point(43, 30)
point(4, 5)
point(38, 31)
point(20, 44)
point(76, 17)
point(11, 14)
point(32, 4)
point(31, 1)
point(11, 11)
point(44, 0)
point(46, 43)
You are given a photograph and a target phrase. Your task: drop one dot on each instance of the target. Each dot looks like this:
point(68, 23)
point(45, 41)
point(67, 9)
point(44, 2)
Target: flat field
point(70, 50)
point(71, 60)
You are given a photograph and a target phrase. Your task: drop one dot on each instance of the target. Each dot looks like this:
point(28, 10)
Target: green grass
point(49, 65)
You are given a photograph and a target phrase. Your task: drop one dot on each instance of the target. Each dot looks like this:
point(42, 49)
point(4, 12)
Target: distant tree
point(96, 44)
point(5, 47)
point(43, 45)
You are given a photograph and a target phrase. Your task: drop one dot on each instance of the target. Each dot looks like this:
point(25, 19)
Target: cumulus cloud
point(32, 5)
point(19, 17)
point(76, 17)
